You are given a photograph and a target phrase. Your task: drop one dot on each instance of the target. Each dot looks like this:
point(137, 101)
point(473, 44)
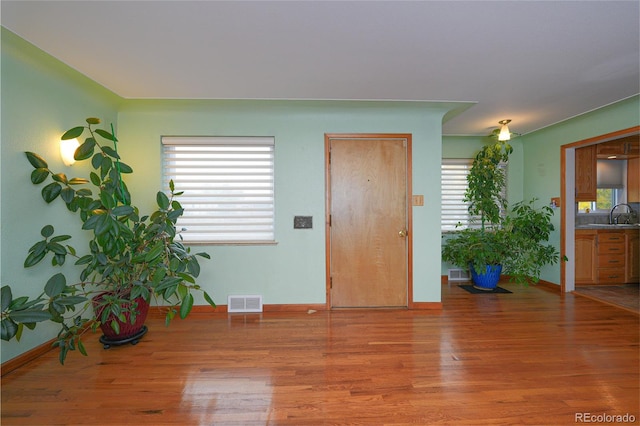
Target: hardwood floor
point(530, 357)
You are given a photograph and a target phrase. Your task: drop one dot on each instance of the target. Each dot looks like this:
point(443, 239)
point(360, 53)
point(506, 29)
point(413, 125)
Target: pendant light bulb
point(504, 134)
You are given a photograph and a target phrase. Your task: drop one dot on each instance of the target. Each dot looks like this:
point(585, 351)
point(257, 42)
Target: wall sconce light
point(67, 149)
point(504, 134)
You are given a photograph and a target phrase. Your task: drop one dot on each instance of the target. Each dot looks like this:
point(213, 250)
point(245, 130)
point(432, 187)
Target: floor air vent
point(244, 304)
point(458, 275)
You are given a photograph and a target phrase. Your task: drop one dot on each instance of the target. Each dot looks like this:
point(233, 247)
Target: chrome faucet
point(615, 221)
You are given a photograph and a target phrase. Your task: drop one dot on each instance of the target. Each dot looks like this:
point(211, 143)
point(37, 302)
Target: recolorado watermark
point(604, 418)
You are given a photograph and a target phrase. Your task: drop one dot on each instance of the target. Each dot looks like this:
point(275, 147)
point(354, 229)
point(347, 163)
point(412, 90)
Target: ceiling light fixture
point(504, 134)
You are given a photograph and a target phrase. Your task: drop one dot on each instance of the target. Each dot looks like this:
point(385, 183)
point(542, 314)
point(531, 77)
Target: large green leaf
point(55, 285)
point(51, 191)
point(163, 200)
point(33, 258)
point(122, 211)
point(85, 150)
point(92, 120)
point(104, 134)
point(30, 316)
point(67, 194)
point(110, 152)
point(103, 225)
point(193, 267)
point(81, 348)
point(124, 168)
point(47, 231)
point(36, 161)
point(71, 300)
point(92, 222)
point(57, 248)
point(155, 251)
point(60, 238)
point(72, 133)
point(107, 200)
point(96, 160)
point(9, 329)
point(77, 181)
point(5, 297)
point(39, 175)
point(187, 304)
point(60, 177)
point(208, 299)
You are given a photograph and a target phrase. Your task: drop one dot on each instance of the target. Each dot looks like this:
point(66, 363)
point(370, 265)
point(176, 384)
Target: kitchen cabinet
point(607, 256)
point(620, 148)
point(586, 256)
point(611, 256)
point(633, 180)
point(632, 249)
point(586, 173)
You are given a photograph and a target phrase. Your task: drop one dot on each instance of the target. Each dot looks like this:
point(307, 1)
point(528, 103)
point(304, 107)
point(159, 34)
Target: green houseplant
point(514, 243)
point(130, 258)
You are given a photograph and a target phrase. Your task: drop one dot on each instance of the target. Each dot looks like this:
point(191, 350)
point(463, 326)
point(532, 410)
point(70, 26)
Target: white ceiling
point(535, 62)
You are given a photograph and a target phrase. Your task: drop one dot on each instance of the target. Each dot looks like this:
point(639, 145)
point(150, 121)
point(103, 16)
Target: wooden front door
point(368, 224)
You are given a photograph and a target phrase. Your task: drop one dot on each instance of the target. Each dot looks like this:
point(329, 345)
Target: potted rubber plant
point(129, 258)
point(513, 241)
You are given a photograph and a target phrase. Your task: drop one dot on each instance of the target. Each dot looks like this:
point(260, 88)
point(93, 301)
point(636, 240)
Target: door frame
point(568, 197)
point(409, 206)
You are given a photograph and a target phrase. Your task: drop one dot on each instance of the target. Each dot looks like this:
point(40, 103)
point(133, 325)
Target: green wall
point(41, 98)
point(541, 177)
point(293, 270)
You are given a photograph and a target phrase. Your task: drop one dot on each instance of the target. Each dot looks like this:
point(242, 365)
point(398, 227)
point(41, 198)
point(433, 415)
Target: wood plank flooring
point(531, 357)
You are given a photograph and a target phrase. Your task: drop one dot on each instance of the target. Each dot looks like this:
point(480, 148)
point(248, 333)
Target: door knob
point(403, 233)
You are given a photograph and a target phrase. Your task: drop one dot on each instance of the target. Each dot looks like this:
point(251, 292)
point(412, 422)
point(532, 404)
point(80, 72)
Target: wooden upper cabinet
point(633, 180)
point(627, 147)
point(633, 146)
point(586, 173)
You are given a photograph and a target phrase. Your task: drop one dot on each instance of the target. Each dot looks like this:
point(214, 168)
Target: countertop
point(608, 226)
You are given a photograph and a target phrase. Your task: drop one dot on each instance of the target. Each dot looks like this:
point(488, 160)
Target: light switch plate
point(418, 200)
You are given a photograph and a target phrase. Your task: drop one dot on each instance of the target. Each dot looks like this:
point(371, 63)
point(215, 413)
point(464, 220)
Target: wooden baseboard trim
point(548, 286)
point(426, 306)
point(28, 356)
point(157, 312)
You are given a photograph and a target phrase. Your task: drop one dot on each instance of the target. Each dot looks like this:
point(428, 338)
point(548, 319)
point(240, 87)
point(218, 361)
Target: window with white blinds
point(228, 185)
point(454, 185)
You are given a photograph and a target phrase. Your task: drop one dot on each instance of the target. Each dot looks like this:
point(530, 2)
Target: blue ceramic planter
point(489, 279)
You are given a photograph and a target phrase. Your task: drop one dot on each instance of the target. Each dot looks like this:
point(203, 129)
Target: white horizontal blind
point(228, 185)
point(454, 185)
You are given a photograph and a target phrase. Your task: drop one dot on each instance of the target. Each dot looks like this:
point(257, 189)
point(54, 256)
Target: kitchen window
point(228, 187)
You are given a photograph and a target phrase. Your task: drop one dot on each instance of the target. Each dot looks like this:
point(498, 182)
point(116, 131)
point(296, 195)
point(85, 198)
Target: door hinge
point(330, 282)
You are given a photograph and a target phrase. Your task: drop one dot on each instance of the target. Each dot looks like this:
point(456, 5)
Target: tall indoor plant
point(512, 240)
point(130, 258)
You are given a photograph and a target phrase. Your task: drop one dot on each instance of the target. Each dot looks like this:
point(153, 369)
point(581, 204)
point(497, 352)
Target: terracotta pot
point(127, 329)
